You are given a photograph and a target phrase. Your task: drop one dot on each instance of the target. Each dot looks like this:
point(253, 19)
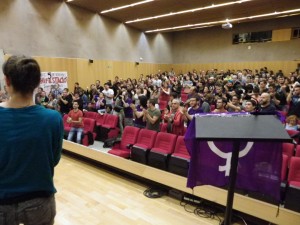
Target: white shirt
point(108, 92)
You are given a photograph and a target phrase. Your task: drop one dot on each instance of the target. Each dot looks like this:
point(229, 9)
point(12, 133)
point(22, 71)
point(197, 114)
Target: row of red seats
point(290, 149)
point(158, 149)
point(290, 176)
point(294, 172)
point(292, 190)
point(101, 127)
point(107, 125)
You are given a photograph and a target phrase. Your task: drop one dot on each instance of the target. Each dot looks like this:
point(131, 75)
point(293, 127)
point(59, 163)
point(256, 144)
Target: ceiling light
point(126, 6)
point(293, 14)
point(227, 25)
point(193, 28)
point(188, 11)
point(224, 21)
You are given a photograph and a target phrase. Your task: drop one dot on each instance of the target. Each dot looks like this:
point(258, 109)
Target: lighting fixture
point(126, 6)
point(188, 11)
point(224, 21)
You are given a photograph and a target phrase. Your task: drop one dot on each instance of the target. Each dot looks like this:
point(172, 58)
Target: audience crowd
point(167, 101)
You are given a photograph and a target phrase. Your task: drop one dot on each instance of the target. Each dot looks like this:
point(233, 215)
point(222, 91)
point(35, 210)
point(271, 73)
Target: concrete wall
point(56, 29)
point(53, 28)
point(215, 44)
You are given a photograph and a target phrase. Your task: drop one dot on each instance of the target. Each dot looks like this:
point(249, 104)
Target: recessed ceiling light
point(126, 6)
point(225, 21)
point(188, 11)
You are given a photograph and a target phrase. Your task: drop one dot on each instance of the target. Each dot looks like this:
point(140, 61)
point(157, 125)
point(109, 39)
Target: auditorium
point(150, 112)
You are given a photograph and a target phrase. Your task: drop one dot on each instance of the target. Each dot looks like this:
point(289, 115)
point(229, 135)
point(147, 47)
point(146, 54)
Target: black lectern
point(238, 128)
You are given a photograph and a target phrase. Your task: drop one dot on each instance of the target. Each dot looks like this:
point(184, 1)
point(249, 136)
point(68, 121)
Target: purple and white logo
point(228, 155)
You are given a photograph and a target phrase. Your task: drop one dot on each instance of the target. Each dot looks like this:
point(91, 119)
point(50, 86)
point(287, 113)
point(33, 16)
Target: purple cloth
point(139, 121)
point(259, 170)
point(193, 112)
point(128, 110)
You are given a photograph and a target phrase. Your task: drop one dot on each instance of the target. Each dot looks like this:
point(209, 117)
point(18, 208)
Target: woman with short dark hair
point(31, 143)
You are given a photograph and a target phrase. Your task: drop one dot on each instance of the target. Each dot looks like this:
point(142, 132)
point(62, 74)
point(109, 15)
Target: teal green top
point(30, 148)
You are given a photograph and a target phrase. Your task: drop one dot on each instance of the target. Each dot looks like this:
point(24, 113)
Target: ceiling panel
point(158, 7)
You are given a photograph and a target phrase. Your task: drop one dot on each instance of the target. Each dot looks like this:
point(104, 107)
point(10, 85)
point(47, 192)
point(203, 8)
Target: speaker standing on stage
point(31, 144)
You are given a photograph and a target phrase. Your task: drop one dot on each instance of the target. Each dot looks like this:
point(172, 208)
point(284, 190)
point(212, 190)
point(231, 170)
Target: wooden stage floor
point(89, 195)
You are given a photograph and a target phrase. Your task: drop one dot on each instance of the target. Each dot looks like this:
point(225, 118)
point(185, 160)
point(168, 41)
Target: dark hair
point(143, 101)
point(108, 106)
point(256, 90)
point(23, 73)
point(174, 94)
point(52, 95)
point(152, 101)
point(272, 85)
point(224, 100)
point(253, 102)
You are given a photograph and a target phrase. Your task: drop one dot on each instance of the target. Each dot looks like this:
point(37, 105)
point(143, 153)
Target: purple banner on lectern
point(259, 165)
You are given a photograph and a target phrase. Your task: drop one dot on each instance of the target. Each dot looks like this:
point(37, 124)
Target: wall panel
point(86, 73)
point(285, 66)
point(282, 34)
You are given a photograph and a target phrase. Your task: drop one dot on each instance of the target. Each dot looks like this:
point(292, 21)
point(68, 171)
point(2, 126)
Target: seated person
point(108, 109)
point(90, 107)
point(76, 121)
point(292, 123)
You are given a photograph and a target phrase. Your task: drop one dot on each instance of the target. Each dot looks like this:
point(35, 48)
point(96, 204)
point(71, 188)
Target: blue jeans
point(79, 134)
point(37, 211)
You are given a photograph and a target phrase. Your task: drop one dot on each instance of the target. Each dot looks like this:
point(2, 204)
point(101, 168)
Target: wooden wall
point(86, 73)
point(285, 66)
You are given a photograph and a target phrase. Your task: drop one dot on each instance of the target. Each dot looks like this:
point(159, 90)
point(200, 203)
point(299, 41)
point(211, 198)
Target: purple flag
point(259, 165)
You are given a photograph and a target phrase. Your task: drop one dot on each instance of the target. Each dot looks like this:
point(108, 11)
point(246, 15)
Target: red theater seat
point(297, 151)
point(294, 172)
point(129, 138)
point(294, 134)
point(284, 167)
point(67, 126)
point(180, 159)
point(88, 131)
point(144, 143)
point(288, 149)
point(292, 198)
point(163, 148)
point(100, 118)
point(91, 115)
point(109, 128)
